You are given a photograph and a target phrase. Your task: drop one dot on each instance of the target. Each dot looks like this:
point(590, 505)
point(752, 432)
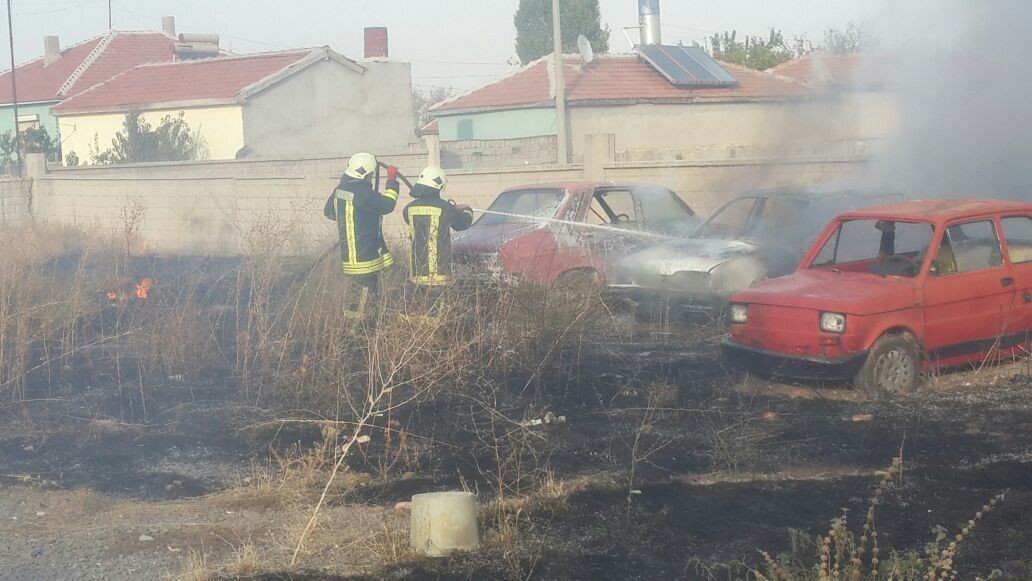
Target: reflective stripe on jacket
point(359, 211)
point(431, 221)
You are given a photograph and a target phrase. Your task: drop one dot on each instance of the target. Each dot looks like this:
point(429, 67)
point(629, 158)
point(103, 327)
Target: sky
point(451, 43)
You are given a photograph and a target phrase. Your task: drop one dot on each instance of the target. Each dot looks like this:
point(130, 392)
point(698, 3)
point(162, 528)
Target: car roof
point(580, 186)
point(939, 210)
point(811, 194)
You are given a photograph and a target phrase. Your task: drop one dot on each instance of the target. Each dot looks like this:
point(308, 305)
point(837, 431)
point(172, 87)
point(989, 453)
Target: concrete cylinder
point(444, 523)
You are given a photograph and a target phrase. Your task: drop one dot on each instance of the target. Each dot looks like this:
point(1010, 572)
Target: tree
point(534, 27)
point(33, 140)
point(425, 98)
point(139, 142)
point(851, 40)
point(753, 52)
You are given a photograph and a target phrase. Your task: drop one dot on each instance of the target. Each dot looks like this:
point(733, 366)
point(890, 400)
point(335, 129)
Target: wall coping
point(225, 162)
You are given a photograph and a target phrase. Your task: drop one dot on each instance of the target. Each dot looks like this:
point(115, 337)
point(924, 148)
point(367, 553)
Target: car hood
point(700, 255)
point(490, 238)
point(849, 293)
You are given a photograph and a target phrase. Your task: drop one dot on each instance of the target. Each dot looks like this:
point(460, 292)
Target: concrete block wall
point(499, 153)
point(216, 207)
point(15, 201)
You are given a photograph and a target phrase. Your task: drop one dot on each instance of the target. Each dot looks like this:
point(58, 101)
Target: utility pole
point(14, 88)
point(560, 87)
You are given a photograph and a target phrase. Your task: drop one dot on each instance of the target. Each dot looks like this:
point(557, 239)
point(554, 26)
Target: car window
point(877, 246)
point(731, 221)
point(1018, 232)
point(665, 213)
point(968, 248)
point(522, 206)
point(613, 207)
point(779, 221)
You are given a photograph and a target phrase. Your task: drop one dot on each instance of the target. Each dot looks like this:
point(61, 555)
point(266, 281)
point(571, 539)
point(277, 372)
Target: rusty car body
point(552, 233)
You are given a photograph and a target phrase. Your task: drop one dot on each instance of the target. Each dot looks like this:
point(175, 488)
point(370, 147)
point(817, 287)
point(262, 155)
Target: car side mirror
point(934, 269)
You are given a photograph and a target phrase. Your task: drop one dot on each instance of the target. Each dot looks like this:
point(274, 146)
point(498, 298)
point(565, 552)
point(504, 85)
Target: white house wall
point(329, 108)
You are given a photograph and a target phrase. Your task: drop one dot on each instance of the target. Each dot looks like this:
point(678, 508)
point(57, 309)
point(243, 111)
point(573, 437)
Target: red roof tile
point(430, 128)
point(84, 65)
point(183, 82)
point(124, 52)
point(826, 70)
point(618, 79)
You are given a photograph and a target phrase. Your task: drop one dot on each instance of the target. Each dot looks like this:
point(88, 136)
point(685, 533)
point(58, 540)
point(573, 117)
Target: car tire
point(893, 367)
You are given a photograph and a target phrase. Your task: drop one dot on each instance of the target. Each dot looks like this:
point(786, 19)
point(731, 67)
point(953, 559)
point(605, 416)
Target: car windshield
point(665, 213)
point(883, 247)
point(522, 206)
point(761, 218)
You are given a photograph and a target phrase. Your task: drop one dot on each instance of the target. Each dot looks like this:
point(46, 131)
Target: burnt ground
point(93, 486)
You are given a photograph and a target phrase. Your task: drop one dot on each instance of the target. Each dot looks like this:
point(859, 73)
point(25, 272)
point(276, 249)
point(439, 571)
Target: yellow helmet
point(361, 166)
point(433, 177)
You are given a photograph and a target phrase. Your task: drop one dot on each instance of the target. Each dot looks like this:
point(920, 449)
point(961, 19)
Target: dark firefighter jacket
point(359, 211)
point(431, 221)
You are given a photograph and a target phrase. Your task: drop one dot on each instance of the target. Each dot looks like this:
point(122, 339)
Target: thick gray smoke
point(960, 69)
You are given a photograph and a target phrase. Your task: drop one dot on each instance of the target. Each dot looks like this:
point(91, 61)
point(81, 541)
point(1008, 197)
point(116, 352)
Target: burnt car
point(886, 293)
point(751, 238)
point(563, 232)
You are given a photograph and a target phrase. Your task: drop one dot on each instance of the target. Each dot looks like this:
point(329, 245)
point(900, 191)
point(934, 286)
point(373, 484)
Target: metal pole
point(560, 86)
point(109, 25)
point(14, 88)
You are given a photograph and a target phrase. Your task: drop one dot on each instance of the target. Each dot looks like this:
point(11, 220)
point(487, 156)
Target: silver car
point(751, 238)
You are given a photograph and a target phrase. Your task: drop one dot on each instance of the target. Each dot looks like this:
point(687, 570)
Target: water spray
point(578, 224)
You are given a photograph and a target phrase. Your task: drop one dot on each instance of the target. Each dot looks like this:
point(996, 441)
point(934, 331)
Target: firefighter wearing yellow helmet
point(431, 220)
point(358, 210)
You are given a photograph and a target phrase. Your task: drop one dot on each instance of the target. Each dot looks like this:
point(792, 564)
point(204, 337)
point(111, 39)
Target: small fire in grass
point(140, 291)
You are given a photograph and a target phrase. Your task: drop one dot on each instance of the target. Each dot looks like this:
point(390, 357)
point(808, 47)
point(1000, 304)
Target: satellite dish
point(587, 53)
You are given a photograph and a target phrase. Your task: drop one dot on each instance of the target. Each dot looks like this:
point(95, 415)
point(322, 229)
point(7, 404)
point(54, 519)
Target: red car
point(553, 233)
point(892, 291)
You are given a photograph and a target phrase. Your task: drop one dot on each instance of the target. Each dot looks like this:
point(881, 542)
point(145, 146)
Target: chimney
point(168, 26)
point(51, 50)
point(648, 18)
point(376, 45)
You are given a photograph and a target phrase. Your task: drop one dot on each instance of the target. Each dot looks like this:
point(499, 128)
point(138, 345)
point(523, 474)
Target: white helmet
point(433, 177)
point(361, 166)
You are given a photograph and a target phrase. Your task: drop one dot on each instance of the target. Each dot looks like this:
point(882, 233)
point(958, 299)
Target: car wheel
point(892, 368)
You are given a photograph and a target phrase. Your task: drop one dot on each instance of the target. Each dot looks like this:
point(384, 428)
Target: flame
point(143, 288)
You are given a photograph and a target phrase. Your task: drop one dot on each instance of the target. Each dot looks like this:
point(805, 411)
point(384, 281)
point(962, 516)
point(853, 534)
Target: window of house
point(1018, 232)
point(465, 130)
point(26, 122)
point(969, 247)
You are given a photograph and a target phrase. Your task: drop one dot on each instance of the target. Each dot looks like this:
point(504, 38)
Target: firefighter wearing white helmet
point(431, 220)
point(359, 210)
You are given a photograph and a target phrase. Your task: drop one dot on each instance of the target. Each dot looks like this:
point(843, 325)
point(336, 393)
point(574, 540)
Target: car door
point(613, 227)
point(1017, 234)
point(967, 294)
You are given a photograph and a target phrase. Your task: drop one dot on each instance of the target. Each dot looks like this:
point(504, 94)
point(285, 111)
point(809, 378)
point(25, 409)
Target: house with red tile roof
point(62, 73)
point(278, 104)
point(512, 120)
point(853, 71)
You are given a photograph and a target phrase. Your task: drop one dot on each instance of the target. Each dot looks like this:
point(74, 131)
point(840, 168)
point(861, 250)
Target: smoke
point(959, 72)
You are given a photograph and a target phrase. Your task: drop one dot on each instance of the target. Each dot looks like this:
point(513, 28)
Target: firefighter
point(431, 220)
point(359, 209)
